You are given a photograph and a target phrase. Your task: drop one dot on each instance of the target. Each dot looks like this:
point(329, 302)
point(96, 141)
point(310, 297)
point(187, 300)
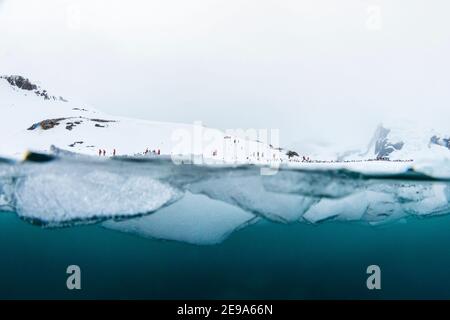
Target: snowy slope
point(31, 118)
point(402, 140)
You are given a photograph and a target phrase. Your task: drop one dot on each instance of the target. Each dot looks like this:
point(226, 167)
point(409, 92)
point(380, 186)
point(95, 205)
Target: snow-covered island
point(35, 119)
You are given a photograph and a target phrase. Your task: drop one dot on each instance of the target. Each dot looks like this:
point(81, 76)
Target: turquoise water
point(266, 260)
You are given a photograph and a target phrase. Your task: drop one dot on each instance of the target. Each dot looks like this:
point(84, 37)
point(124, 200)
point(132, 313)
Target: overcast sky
point(318, 70)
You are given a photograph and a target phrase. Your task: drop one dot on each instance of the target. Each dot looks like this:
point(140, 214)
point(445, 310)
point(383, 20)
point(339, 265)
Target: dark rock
point(75, 143)
point(46, 124)
point(49, 124)
point(291, 154)
point(25, 84)
point(34, 126)
point(102, 120)
point(444, 142)
point(384, 147)
point(20, 82)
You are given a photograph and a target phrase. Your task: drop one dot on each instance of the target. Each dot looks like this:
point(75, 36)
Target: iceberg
point(204, 204)
point(250, 194)
point(195, 220)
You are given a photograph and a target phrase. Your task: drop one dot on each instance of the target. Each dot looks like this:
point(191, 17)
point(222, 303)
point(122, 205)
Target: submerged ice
point(64, 196)
point(195, 219)
point(143, 196)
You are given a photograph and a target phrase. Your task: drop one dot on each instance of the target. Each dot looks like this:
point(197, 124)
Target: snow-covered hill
point(32, 118)
point(402, 140)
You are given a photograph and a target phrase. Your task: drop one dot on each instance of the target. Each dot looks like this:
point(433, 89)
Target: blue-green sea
point(264, 261)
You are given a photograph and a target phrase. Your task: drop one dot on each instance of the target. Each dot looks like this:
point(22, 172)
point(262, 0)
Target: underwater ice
point(195, 219)
point(205, 204)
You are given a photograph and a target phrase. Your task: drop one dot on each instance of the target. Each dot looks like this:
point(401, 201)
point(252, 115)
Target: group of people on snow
point(158, 151)
point(102, 152)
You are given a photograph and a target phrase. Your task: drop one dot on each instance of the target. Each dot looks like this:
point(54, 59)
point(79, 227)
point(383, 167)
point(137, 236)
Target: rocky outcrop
point(75, 143)
point(102, 120)
point(20, 82)
point(70, 125)
point(381, 145)
point(440, 141)
point(46, 124)
point(23, 83)
point(292, 154)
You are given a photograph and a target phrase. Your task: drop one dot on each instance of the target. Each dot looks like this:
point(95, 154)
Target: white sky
point(318, 70)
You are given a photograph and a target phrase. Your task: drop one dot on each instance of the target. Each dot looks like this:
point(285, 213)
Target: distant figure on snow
point(114, 152)
point(104, 152)
point(99, 152)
